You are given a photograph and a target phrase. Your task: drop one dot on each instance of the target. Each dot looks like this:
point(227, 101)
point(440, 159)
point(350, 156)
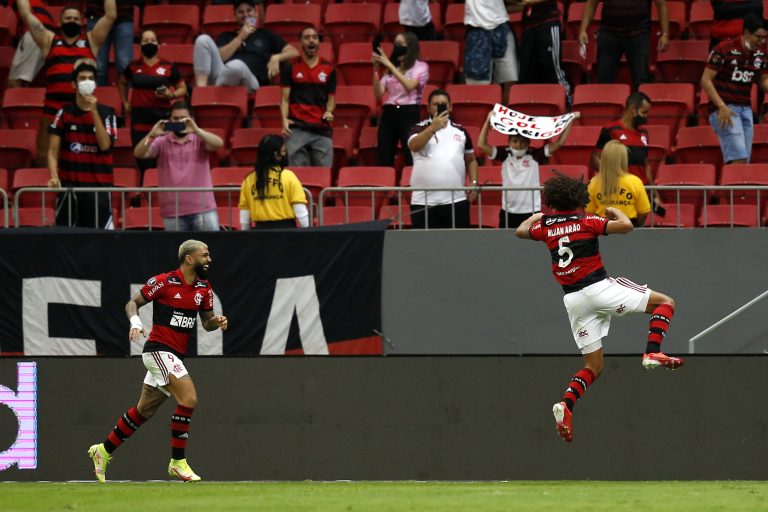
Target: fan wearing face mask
point(155, 83)
point(401, 77)
point(61, 51)
point(519, 168)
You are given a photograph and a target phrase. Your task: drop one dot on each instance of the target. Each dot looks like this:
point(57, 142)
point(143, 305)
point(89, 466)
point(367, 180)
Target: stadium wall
point(391, 418)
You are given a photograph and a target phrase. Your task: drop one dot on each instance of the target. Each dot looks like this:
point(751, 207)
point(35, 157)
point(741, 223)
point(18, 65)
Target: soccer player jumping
point(591, 297)
point(178, 297)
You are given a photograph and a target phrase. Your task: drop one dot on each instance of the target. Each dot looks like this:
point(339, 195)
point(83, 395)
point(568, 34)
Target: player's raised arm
point(132, 312)
point(618, 222)
point(523, 230)
point(41, 35)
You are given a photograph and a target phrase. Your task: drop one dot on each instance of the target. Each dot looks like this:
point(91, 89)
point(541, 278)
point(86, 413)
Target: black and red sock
point(577, 387)
point(660, 319)
point(180, 420)
point(126, 426)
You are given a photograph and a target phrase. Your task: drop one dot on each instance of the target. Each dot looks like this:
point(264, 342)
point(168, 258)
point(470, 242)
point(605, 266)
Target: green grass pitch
point(386, 496)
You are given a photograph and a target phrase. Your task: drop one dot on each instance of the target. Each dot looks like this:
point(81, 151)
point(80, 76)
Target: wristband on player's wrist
point(136, 322)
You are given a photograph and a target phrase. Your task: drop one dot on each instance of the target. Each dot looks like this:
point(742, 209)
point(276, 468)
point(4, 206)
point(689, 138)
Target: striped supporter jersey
point(146, 106)
point(59, 65)
point(81, 162)
point(572, 242)
point(175, 309)
point(737, 68)
point(310, 89)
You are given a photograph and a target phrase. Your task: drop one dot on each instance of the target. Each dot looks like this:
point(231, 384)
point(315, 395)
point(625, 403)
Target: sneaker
point(100, 459)
point(564, 421)
point(656, 359)
point(181, 469)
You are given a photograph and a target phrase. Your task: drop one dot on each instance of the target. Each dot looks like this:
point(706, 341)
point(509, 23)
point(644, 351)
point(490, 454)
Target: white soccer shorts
point(590, 309)
point(159, 366)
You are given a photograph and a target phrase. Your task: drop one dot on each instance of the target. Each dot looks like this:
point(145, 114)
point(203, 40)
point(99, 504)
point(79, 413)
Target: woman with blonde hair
point(615, 187)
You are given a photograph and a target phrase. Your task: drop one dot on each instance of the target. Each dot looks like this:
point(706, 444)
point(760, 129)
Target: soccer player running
point(178, 296)
point(591, 297)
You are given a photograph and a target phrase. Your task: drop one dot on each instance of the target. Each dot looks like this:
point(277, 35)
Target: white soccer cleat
point(180, 469)
point(100, 458)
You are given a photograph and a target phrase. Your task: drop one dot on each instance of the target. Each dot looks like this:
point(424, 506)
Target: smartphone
point(161, 89)
point(659, 210)
point(174, 126)
point(376, 43)
point(442, 107)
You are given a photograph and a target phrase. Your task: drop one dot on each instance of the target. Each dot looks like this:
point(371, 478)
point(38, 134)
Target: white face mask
point(518, 153)
point(86, 87)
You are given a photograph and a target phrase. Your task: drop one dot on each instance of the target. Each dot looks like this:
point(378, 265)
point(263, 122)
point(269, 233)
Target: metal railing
point(724, 320)
point(4, 196)
point(126, 194)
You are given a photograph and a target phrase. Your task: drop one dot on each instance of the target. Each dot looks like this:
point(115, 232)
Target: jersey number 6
point(564, 251)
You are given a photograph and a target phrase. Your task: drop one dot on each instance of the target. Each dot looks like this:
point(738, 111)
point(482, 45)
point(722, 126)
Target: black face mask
point(397, 52)
point(149, 50)
point(71, 29)
point(639, 121)
point(200, 271)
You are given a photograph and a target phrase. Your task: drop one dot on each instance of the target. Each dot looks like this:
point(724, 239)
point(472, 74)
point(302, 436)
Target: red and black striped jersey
point(572, 242)
point(175, 308)
point(59, 65)
point(310, 89)
point(635, 140)
point(540, 15)
point(146, 107)
point(39, 11)
point(81, 162)
point(737, 68)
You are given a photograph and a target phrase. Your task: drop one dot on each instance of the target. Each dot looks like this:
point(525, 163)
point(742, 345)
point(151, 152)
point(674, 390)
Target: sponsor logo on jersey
point(77, 147)
point(198, 298)
point(201, 284)
point(182, 321)
point(322, 77)
point(173, 280)
point(154, 289)
point(584, 333)
point(742, 76)
point(152, 281)
point(177, 296)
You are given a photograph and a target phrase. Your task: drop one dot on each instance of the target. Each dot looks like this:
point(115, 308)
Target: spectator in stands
point(416, 18)
point(402, 80)
point(615, 187)
point(629, 131)
point(519, 168)
point(60, 52)
point(121, 36)
point(156, 84)
point(80, 153)
point(489, 52)
point(249, 56)
point(182, 150)
point(540, 56)
point(307, 104)
point(442, 155)
point(272, 196)
point(727, 79)
point(728, 22)
point(625, 29)
point(28, 60)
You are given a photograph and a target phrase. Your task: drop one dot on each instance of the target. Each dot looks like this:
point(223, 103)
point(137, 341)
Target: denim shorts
point(736, 140)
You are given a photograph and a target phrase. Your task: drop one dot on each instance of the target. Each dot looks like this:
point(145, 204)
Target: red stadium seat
point(125, 177)
point(8, 26)
point(490, 176)
point(367, 152)
point(314, 179)
point(573, 21)
point(454, 28)
point(365, 177)
point(287, 20)
point(143, 217)
point(599, 104)
point(700, 22)
point(658, 145)
point(218, 19)
point(676, 11)
point(354, 65)
point(245, 144)
point(742, 175)
point(698, 144)
point(6, 58)
point(348, 23)
point(228, 177)
point(702, 175)
point(729, 215)
point(579, 147)
point(760, 143)
point(355, 104)
point(485, 216)
point(334, 215)
point(671, 104)
point(572, 63)
point(110, 97)
point(181, 56)
point(5, 183)
point(681, 215)
point(266, 107)
point(17, 148)
point(472, 103)
point(172, 23)
point(538, 99)
point(220, 107)
point(122, 150)
point(579, 172)
point(229, 218)
point(35, 217)
point(683, 61)
point(33, 177)
point(344, 138)
point(23, 106)
point(443, 59)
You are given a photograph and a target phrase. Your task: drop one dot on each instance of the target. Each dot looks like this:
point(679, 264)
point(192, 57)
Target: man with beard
point(182, 149)
point(309, 88)
point(60, 52)
point(249, 56)
point(178, 297)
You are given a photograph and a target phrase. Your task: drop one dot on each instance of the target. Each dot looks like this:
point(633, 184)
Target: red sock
point(180, 431)
point(660, 319)
point(578, 386)
point(126, 426)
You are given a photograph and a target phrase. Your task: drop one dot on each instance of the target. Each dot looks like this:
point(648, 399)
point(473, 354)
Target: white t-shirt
point(440, 163)
point(520, 172)
point(485, 14)
point(414, 13)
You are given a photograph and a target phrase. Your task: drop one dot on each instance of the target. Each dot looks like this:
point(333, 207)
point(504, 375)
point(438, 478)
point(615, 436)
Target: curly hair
point(563, 193)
